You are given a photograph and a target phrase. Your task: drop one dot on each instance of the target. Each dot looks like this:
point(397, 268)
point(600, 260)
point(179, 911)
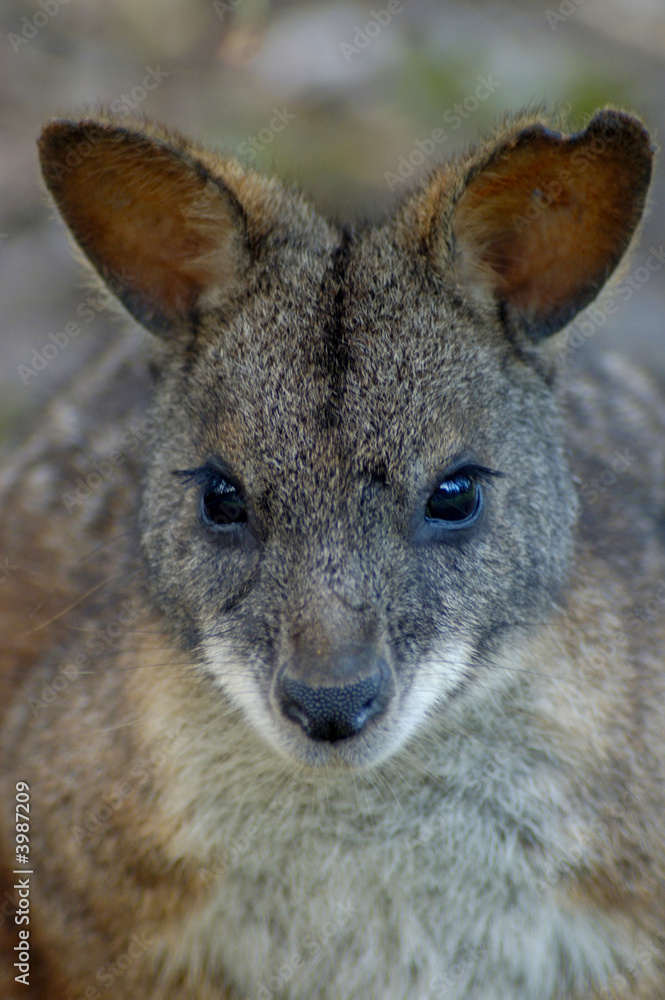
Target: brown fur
point(340, 376)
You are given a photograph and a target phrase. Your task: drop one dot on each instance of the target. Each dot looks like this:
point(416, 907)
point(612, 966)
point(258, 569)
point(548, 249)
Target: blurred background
point(352, 100)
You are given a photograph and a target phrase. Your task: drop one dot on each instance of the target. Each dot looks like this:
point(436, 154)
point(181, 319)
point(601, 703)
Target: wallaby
point(335, 611)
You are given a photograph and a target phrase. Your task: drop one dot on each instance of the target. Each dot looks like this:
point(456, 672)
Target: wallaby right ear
point(161, 227)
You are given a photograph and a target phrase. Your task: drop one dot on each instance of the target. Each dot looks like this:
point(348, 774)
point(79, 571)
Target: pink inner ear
point(548, 221)
point(153, 226)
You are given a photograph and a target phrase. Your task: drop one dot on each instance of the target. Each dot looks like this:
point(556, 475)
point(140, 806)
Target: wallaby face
point(389, 463)
point(347, 565)
point(367, 561)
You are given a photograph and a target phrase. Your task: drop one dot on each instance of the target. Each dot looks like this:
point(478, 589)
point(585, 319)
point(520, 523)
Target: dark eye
point(456, 500)
point(221, 503)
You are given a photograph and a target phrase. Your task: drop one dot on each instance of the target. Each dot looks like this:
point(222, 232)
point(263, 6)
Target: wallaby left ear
point(540, 220)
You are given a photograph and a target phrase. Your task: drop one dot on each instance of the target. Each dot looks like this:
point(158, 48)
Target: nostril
point(292, 708)
point(334, 713)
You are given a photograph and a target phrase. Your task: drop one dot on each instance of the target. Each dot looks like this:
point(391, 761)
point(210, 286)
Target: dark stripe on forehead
point(335, 355)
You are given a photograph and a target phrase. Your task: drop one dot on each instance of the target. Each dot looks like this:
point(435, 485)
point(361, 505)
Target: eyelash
point(477, 471)
point(203, 476)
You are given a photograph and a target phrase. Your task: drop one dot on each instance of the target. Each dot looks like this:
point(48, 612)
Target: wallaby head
point(359, 490)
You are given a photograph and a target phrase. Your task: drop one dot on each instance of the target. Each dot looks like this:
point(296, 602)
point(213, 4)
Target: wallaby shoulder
point(69, 500)
point(615, 421)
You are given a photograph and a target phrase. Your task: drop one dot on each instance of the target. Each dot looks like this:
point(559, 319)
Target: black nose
point(335, 712)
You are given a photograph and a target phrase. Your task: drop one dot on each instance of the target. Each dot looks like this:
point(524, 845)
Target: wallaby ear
point(155, 221)
point(540, 220)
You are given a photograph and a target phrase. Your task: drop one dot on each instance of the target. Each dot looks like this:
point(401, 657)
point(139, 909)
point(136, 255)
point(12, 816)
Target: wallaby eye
point(222, 503)
point(456, 500)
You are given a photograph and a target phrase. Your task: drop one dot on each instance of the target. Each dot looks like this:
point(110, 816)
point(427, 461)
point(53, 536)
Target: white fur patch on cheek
point(435, 680)
point(239, 684)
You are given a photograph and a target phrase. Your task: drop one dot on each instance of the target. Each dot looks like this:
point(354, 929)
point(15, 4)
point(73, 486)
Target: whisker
point(69, 607)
